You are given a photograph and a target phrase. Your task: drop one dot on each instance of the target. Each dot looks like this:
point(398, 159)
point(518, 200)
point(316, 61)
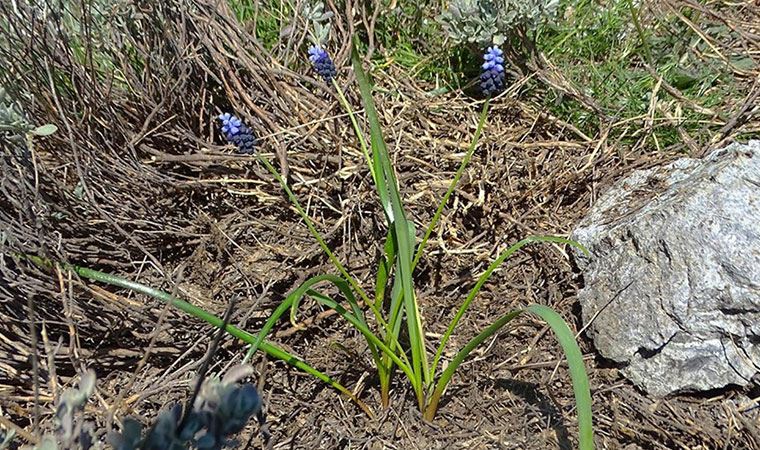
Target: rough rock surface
point(672, 287)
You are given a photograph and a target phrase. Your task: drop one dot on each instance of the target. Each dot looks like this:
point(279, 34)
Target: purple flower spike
point(322, 63)
point(492, 79)
point(238, 133)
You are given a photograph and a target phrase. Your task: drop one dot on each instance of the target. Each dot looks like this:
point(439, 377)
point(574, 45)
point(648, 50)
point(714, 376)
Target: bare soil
point(142, 187)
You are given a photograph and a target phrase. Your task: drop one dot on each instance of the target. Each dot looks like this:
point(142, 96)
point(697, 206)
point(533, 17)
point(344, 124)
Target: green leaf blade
point(387, 182)
point(574, 357)
point(199, 313)
point(45, 130)
point(482, 281)
point(453, 185)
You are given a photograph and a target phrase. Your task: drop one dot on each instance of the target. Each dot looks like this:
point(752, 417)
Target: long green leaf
point(357, 129)
point(392, 332)
point(363, 329)
point(482, 280)
point(199, 313)
point(581, 387)
point(312, 229)
point(377, 358)
point(405, 238)
point(384, 267)
point(459, 358)
point(342, 286)
point(292, 300)
point(573, 355)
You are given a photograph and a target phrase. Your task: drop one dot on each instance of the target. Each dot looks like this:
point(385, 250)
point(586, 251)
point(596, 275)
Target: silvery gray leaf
point(6, 436)
point(324, 34)
point(465, 20)
point(47, 443)
point(237, 373)
point(87, 382)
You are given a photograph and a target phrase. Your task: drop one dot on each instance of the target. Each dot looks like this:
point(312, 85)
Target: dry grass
point(135, 183)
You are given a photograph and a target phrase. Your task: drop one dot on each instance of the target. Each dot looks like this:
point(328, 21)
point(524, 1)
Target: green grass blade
point(384, 268)
point(572, 354)
point(291, 302)
point(342, 286)
point(459, 358)
point(357, 316)
point(386, 180)
point(454, 182)
point(278, 353)
point(397, 303)
point(199, 313)
point(484, 278)
point(394, 322)
point(363, 329)
point(393, 331)
point(574, 357)
point(357, 129)
point(293, 299)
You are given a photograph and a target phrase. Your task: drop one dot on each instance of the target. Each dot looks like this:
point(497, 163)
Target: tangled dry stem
point(136, 183)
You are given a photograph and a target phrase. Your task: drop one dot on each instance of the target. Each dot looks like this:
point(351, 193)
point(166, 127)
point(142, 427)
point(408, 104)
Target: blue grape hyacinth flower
point(238, 133)
point(492, 79)
point(323, 65)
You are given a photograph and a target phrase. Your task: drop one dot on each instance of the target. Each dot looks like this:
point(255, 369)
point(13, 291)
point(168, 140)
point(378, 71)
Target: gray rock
point(672, 287)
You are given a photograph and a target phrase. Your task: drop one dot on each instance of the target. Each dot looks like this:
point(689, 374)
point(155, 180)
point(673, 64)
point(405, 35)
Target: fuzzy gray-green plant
point(486, 22)
point(221, 410)
point(12, 119)
point(6, 437)
point(13, 122)
point(320, 21)
point(72, 431)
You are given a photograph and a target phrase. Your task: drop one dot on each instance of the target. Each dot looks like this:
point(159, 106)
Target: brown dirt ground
point(210, 226)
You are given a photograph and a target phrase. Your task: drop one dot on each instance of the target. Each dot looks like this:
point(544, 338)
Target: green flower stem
point(310, 225)
point(357, 129)
point(453, 185)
